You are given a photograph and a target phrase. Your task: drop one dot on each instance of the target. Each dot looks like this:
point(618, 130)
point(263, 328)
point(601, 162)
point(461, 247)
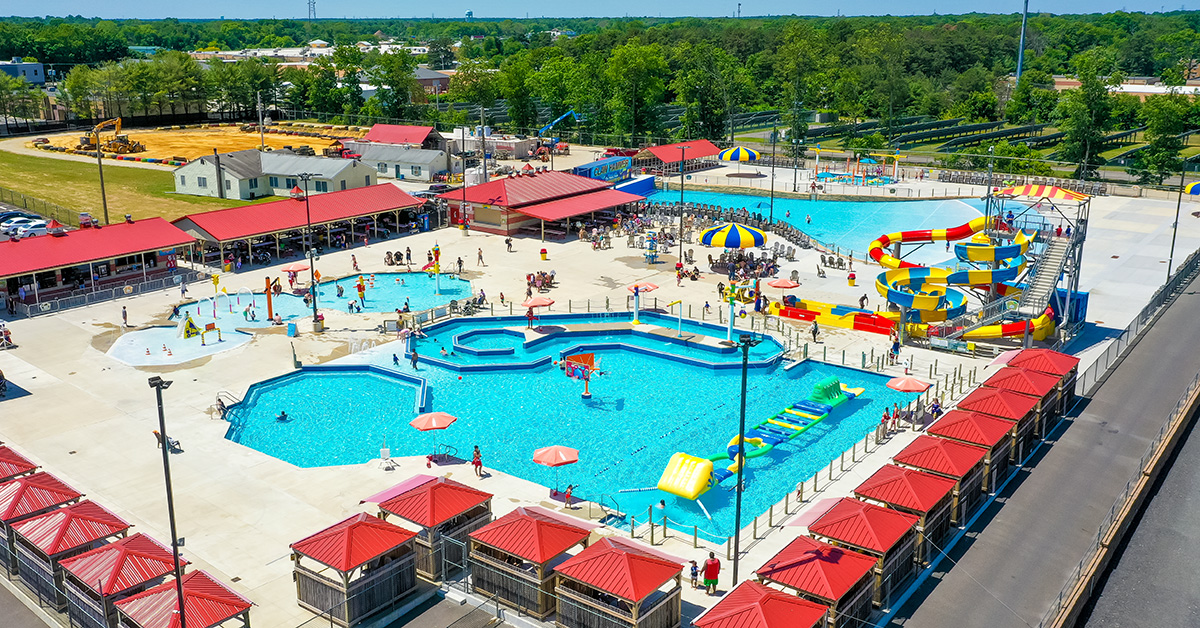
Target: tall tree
point(637, 73)
point(475, 83)
point(1084, 112)
point(1164, 117)
point(396, 90)
point(514, 84)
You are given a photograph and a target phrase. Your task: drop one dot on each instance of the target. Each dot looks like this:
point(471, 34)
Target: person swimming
point(283, 417)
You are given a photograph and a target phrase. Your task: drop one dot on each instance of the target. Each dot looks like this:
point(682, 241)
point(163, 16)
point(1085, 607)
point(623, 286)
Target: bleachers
point(999, 179)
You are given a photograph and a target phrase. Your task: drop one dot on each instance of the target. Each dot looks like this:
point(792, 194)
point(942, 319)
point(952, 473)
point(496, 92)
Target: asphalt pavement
point(1014, 561)
point(14, 614)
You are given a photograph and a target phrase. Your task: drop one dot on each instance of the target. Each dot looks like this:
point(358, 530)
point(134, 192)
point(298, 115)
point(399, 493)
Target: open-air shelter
point(888, 535)
point(1064, 367)
point(667, 159)
point(1040, 386)
point(44, 540)
point(614, 584)
point(1011, 406)
point(363, 566)
point(447, 513)
point(94, 580)
point(24, 497)
point(924, 495)
point(949, 459)
point(207, 604)
point(842, 579)
point(13, 464)
point(994, 434)
point(754, 605)
point(513, 558)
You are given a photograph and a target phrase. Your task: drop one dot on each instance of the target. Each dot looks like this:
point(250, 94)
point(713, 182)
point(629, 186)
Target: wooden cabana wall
point(437, 507)
point(111, 573)
point(347, 598)
point(994, 434)
point(581, 605)
point(933, 519)
point(968, 488)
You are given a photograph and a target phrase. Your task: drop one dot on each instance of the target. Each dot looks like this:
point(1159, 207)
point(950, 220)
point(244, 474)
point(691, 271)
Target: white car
point(35, 229)
point(12, 224)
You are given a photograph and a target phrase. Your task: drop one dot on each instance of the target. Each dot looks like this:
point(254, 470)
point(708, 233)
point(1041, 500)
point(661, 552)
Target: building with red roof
point(839, 578)
point(1011, 406)
point(1065, 367)
point(89, 260)
point(527, 201)
point(754, 605)
point(889, 535)
point(924, 495)
point(207, 602)
point(949, 459)
point(419, 136)
point(1040, 386)
point(442, 508)
point(994, 434)
point(621, 582)
point(358, 554)
point(43, 540)
point(28, 496)
point(95, 579)
point(514, 558)
point(13, 464)
point(665, 159)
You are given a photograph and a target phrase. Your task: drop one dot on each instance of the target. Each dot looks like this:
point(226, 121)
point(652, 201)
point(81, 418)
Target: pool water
point(851, 225)
point(643, 409)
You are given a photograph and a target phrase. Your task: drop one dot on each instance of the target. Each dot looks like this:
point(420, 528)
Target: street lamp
point(159, 385)
point(1175, 225)
point(311, 252)
point(682, 149)
point(771, 217)
point(745, 341)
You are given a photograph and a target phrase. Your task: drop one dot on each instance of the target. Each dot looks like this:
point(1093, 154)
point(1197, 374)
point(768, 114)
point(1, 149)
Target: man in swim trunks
point(712, 567)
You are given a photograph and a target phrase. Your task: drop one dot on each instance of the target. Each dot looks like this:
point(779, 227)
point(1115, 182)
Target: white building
point(250, 174)
point(400, 162)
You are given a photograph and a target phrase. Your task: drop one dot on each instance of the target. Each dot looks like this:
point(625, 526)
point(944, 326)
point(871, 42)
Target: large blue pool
point(647, 406)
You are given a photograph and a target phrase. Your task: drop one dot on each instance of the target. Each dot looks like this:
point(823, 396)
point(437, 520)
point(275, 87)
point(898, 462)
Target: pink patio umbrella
point(783, 284)
point(295, 267)
point(433, 421)
point(556, 456)
point(908, 384)
point(538, 302)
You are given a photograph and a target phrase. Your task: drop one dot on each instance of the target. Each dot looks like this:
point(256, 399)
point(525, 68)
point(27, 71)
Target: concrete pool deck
point(88, 417)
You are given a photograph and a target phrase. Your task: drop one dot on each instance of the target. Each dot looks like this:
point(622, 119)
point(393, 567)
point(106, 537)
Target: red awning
point(79, 247)
point(75, 526)
point(906, 488)
point(817, 568)
point(582, 204)
point(122, 565)
point(1002, 403)
point(32, 494)
point(207, 601)
point(434, 502)
point(941, 456)
point(398, 134)
point(620, 569)
point(671, 153)
point(754, 605)
point(530, 535)
point(353, 542)
point(864, 525)
point(972, 427)
point(13, 464)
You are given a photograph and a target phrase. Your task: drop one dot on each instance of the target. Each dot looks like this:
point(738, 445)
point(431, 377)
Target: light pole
point(796, 149)
point(1175, 225)
point(159, 385)
point(745, 341)
point(682, 150)
point(771, 218)
point(311, 251)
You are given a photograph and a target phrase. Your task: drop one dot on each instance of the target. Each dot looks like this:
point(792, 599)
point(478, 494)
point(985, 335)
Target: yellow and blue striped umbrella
point(738, 153)
point(1192, 188)
point(733, 236)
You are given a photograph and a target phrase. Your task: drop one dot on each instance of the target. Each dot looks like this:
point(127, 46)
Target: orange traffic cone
point(147, 350)
point(169, 352)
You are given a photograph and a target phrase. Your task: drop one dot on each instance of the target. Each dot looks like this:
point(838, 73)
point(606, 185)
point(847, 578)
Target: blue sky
point(456, 8)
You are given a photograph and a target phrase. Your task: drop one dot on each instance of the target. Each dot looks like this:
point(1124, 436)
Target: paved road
point(14, 614)
point(1015, 560)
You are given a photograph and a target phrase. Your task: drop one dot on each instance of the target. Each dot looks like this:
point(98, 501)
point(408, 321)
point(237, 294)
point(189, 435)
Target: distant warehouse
point(250, 174)
point(400, 162)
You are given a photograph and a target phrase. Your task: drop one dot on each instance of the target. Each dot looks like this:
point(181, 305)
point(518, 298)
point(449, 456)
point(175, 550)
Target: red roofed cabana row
point(888, 535)
point(1061, 365)
point(994, 434)
point(513, 558)
point(666, 159)
point(615, 583)
point(1041, 386)
point(1011, 406)
point(839, 578)
point(754, 605)
point(447, 512)
point(366, 565)
point(207, 602)
point(949, 459)
point(94, 580)
point(44, 540)
point(13, 464)
point(924, 495)
point(86, 261)
point(24, 497)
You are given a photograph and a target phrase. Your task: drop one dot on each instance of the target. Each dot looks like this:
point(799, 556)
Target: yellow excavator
point(120, 144)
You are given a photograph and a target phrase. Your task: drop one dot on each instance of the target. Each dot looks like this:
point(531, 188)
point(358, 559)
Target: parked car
point(30, 230)
point(8, 227)
point(439, 188)
point(16, 214)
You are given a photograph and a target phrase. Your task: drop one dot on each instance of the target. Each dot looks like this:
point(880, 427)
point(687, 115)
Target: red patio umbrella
point(433, 421)
point(783, 284)
point(295, 267)
point(538, 302)
point(556, 456)
point(908, 384)
point(643, 286)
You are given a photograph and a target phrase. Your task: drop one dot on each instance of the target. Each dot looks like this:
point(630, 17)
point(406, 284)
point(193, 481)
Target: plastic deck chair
point(385, 459)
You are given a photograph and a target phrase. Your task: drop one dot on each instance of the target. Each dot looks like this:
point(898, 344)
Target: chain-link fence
point(45, 209)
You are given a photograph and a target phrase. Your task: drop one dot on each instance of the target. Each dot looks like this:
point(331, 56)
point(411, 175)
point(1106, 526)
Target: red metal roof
point(526, 189)
point(620, 569)
point(864, 525)
point(996, 402)
point(13, 464)
point(81, 246)
point(972, 427)
point(434, 502)
point(65, 529)
point(939, 455)
point(352, 542)
point(1045, 361)
point(530, 535)
point(582, 204)
point(237, 223)
point(122, 565)
point(671, 153)
point(817, 568)
point(754, 605)
point(30, 494)
point(206, 601)
point(1023, 381)
point(398, 134)
point(906, 488)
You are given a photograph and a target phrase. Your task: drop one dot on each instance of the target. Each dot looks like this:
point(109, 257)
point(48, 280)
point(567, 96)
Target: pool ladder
point(612, 514)
point(444, 452)
point(230, 401)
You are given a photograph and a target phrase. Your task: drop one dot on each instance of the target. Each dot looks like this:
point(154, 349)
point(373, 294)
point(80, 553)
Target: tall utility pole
point(312, 9)
point(1021, 51)
point(771, 219)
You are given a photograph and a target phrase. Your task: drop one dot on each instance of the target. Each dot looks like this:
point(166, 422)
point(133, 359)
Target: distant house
point(433, 81)
point(32, 72)
point(399, 162)
point(250, 174)
point(416, 136)
point(318, 43)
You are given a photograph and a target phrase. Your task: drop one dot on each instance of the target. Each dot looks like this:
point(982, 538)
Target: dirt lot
point(193, 143)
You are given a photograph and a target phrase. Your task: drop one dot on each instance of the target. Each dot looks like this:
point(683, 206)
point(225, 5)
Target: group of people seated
point(395, 259)
point(743, 268)
point(683, 273)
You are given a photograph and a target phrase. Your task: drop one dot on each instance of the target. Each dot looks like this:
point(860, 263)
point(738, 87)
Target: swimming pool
point(645, 408)
point(851, 225)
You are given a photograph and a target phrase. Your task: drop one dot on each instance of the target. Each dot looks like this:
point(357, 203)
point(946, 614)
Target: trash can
point(227, 267)
point(850, 279)
point(543, 255)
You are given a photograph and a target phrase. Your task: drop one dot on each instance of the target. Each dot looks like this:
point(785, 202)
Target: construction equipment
point(120, 144)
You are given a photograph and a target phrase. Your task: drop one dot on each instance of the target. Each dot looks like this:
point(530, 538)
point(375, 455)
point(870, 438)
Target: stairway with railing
point(1049, 268)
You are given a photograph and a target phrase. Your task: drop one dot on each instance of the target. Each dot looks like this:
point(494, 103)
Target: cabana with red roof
point(949, 459)
point(994, 434)
point(1061, 365)
point(25, 497)
point(207, 602)
point(448, 512)
point(13, 464)
point(365, 566)
point(613, 583)
point(754, 605)
point(926, 496)
point(888, 535)
point(1010, 406)
point(44, 540)
point(839, 578)
point(665, 160)
point(94, 580)
point(1040, 386)
point(513, 558)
